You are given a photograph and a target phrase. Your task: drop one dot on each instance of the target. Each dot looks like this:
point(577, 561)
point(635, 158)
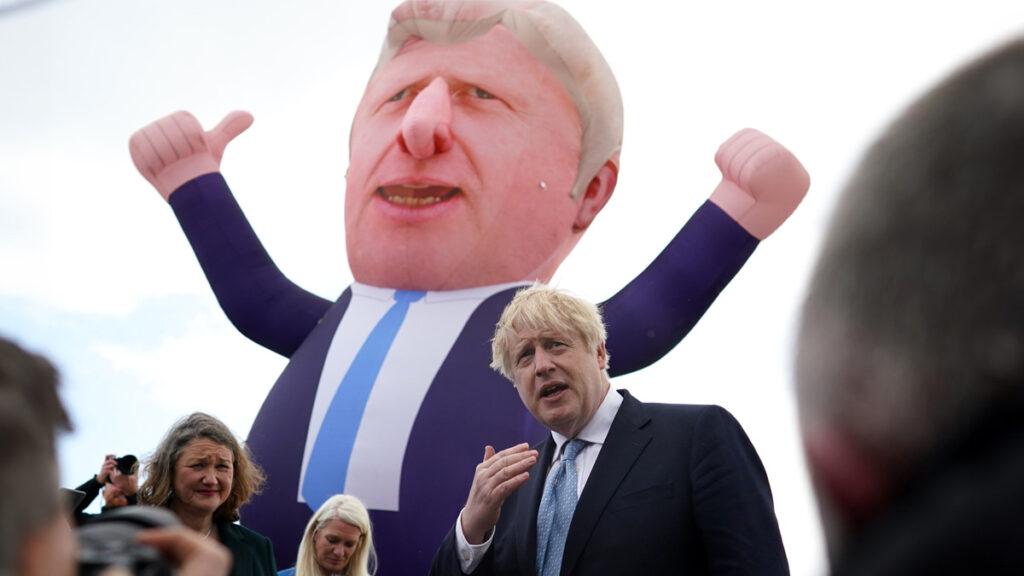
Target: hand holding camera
point(124, 475)
point(108, 467)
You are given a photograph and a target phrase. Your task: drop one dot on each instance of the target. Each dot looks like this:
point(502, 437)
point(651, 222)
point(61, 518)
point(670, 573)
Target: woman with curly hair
point(338, 540)
point(203, 474)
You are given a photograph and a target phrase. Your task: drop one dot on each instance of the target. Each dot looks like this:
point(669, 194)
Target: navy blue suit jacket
point(676, 489)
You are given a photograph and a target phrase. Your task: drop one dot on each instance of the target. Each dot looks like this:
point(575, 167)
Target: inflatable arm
point(653, 313)
point(182, 162)
point(762, 183)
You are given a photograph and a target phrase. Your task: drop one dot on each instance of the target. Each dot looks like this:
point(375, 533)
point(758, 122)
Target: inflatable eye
point(481, 93)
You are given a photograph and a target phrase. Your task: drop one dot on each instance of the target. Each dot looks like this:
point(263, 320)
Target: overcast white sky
point(97, 275)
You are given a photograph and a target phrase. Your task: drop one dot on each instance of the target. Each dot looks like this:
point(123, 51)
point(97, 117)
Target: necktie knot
point(408, 296)
point(572, 449)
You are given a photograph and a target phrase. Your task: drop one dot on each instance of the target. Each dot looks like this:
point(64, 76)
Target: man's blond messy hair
point(542, 307)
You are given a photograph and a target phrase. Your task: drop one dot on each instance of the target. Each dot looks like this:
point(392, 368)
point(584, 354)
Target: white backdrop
point(97, 275)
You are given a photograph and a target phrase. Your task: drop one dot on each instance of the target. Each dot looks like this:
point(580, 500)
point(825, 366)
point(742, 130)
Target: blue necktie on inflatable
point(328, 462)
point(556, 508)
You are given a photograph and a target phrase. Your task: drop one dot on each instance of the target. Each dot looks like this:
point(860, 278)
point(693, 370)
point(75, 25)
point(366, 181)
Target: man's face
point(476, 191)
point(560, 381)
point(113, 496)
point(118, 487)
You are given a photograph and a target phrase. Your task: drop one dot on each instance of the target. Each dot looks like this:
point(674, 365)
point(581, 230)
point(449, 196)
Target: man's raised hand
point(496, 477)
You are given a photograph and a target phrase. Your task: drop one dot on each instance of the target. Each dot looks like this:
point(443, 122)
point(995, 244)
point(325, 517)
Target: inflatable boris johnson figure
point(486, 142)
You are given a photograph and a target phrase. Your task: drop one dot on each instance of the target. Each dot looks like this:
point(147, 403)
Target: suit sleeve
point(446, 559)
point(91, 488)
point(732, 499)
point(258, 299)
point(656, 310)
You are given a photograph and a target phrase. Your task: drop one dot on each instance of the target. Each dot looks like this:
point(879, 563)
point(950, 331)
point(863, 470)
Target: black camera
point(108, 541)
point(127, 464)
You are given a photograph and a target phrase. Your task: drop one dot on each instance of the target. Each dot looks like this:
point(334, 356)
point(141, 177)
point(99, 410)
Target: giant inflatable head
point(486, 142)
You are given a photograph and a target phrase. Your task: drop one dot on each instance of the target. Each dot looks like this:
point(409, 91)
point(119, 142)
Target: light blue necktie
point(328, 462)
point(555, 512)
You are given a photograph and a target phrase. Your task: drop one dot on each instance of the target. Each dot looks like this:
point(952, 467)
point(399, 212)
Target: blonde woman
point(337, 540)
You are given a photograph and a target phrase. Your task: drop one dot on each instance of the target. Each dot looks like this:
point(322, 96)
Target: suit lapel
point(527, 506)
point(625, 442)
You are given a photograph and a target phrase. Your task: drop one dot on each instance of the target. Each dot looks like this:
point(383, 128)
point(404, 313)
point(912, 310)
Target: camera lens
point(126, 464)
point(109, 542)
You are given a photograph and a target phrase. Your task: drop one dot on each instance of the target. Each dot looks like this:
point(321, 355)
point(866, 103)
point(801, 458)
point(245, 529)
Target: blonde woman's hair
point(349, 510)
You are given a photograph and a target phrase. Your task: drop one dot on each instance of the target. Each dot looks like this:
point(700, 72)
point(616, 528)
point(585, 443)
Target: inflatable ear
point(597, 194)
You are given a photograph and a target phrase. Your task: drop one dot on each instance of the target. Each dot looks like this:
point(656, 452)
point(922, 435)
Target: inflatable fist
point(176, 149)
point(762, 182)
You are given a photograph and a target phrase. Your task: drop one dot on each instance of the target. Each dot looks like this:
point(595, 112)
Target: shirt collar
point(478, 293)
point(597, 429)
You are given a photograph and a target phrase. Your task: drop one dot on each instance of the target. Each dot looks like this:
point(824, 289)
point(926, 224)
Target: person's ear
point(855, 484)
point(597, 194)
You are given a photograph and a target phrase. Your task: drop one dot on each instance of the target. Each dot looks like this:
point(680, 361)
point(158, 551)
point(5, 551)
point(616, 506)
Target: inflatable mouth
point(415, 196)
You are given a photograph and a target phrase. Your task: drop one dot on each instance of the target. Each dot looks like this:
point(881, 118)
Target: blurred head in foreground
point(910, 360)
point(35, 530)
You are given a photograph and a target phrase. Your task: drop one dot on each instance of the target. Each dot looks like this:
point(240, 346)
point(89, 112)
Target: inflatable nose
point(426, 127)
